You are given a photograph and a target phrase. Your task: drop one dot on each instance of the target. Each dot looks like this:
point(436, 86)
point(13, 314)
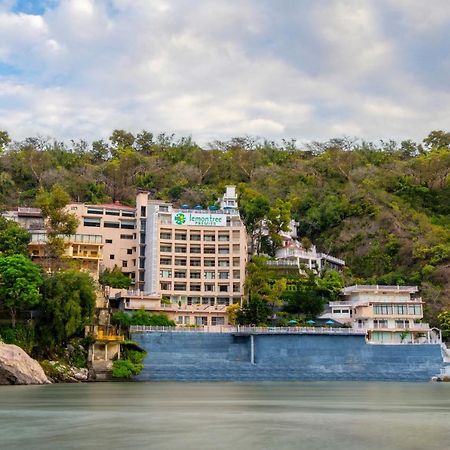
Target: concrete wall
point(215, 356)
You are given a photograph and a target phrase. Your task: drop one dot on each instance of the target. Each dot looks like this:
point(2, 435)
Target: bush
point(125, 368)
point(22, 335)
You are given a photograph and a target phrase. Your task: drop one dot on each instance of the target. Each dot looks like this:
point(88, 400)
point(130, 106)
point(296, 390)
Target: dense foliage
point(384, 207)
point(141, 317)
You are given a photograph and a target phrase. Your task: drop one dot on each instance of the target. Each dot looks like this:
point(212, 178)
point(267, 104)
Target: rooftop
point(379, 288)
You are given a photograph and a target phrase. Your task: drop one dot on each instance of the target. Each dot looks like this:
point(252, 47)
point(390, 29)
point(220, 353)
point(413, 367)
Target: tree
point(4, 140)
point(13, 238)
point(20, 280)
point(58, 221)
point(68, 304)
point(278, 219)
point(444, 323)
point(114, 278)
point(254, 311)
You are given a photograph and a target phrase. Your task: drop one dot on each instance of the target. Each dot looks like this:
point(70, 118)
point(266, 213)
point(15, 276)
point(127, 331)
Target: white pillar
point(252, 349)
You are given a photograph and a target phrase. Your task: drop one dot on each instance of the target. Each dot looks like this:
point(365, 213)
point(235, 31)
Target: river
point(163, 415)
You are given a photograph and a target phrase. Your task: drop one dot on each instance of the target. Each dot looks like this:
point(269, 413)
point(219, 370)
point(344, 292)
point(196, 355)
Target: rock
point(16, 367)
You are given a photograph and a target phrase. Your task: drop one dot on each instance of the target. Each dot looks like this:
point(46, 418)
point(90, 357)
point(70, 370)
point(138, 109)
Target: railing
point(248, 330)
point(102, 336)
point(372, 287)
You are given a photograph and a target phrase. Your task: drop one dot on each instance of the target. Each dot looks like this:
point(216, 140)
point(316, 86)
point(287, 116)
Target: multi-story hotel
point(193, 259)
point(390, 314)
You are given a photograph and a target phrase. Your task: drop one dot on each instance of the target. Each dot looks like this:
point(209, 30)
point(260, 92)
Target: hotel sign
point(201, 220)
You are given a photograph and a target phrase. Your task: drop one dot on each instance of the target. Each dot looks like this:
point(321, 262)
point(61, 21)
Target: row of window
point(207, 237)
point(197, 287)
point(200, 320)
point(182, 262)
point(167, 248)
point(97, 223)
point(397, 310)
point(110, 212)
point(208, 275)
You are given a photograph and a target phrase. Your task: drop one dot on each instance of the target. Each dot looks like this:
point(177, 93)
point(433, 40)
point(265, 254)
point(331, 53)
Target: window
point(224, 263)
point(163, 208)
point(203, 320)
point(236, 262)
point(94, 211)
point(128, 213)
point(193, 300)
point(180, 249)
point(142, 263)
point(180, 236)
point(111, 256)
point(195, 262)
point(224, 237)
point(128, 225)
point(209, 263)
point(223, 287)
point(108, 241)
point(195, 275)
point(236, 287)
point(195, 237)
point(180, 261)
point(129, 251)
point(165, 235)
point(195, 249)
point(179, 286)
point(180, 320)
point(111, 224)
point(208, 301)
point(223, 301)
point(143, 211)
point(380, 323)
point(209, 287)
point(164, 273)
point(124, 263)
point(180, 274)
point(224, 250)
point(209, 237)
point(187, 320)
point(217, 320)
point(127, 236)
point(210, 275)
point(209, 250)
point(91, 222)
point(165, 285)
point(402, 324)
point(195, 287)
point(236, 274)
point(112, 212)
point(165, 248)
point(165, 261)
point(224, 275)
point(236, 248)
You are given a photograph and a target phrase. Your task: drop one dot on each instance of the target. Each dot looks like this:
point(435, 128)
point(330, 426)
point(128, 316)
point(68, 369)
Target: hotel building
point(188, 260)
point(389, 314)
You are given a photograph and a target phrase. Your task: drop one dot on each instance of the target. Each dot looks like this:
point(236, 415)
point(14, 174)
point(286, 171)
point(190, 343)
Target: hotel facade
point(188, 262)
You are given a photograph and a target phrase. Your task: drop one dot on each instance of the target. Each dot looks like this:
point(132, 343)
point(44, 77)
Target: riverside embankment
point(284, 356)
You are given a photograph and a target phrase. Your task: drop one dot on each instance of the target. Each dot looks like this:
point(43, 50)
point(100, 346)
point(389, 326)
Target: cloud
point(214, 70)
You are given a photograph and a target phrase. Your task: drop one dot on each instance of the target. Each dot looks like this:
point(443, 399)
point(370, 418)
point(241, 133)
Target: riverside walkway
point(246, 331)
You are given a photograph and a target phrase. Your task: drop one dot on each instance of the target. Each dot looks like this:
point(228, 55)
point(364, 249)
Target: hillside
point(384, 208)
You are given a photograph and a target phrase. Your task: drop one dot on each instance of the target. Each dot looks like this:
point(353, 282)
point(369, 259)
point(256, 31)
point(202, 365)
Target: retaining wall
point(223, 356)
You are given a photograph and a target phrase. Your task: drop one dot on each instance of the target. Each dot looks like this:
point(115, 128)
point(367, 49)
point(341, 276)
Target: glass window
point(209, 237)
point(195, 237)
point(165, 248)
point(195, 287)
point(165, 235)
point(195, 249)
point(91, 222)
point(112, 212)
point(195, 275)
point(223, 288)
point(128, 225)
point(179, 286)
point(180, 261)
point(210, 275)
point(165, 285)
point(108, 241)
point(209, 263)
point(209, 250)
point(217, 320)
point(199, 321)
point(224, 275)
point(180, 274)
point(209, 287)
point(180, 249)
point(195, 262)
point(165, 273)
point(165, 261)
point(94, 211)
point(180, 236)
point(128, 213)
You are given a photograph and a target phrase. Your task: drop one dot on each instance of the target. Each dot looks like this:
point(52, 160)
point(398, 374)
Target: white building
point(389, 314)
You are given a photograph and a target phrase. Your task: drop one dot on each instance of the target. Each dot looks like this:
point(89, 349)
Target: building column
point(106, 352)
point(252, 349)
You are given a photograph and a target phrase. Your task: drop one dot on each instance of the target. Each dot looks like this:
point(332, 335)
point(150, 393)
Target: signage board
point(198, 219)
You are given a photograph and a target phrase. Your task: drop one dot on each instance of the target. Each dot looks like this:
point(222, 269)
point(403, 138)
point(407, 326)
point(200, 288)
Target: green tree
point(13, 238)
point(20, 280)
point(444, 323)
point(58, 221)
point(4, 140)
point(254, 311)
point(114, 278)
point(68, 304)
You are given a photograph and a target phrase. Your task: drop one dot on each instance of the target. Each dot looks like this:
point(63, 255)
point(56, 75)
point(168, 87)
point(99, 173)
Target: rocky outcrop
point(16, 367)
point(60, 372)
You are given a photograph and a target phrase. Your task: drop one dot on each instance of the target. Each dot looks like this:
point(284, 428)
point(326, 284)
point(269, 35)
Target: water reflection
point(341, 415)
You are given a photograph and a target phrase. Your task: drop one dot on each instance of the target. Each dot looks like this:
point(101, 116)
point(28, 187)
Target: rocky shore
point(16, 367)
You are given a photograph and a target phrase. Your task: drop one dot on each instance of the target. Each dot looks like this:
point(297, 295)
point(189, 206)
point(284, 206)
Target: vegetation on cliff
point(382, 207)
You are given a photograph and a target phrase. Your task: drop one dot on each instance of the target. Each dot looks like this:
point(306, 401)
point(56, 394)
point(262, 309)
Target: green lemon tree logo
point(180, 218)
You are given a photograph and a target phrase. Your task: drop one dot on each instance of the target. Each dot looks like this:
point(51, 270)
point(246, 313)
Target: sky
point(217, 69)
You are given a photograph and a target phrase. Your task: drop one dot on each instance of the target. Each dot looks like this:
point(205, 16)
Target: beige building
point(390, 314)
point(116, 224)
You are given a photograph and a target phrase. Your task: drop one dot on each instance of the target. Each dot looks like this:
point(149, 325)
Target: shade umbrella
point(310, 322)
point(292, 322)
point(329, 322)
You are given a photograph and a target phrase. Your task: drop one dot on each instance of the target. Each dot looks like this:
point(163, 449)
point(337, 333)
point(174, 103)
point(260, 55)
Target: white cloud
point(312, 70)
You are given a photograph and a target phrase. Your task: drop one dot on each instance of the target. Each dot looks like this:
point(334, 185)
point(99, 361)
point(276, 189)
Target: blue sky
point(304, 69)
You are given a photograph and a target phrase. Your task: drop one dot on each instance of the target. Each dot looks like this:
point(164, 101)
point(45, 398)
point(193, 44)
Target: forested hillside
point(384, 208)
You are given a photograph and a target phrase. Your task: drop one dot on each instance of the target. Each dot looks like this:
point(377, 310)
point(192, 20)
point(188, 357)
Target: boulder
point(16, 367)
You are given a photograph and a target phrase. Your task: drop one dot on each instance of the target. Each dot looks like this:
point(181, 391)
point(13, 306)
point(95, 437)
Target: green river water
point(272, 415)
